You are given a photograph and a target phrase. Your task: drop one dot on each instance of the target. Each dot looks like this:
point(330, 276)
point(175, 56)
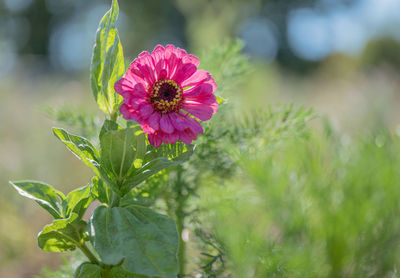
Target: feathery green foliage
point(78, 119)
point(320, 207)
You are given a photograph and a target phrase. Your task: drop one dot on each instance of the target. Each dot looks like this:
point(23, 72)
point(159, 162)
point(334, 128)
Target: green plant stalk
point(114, 117)
point(88, 254)
point(114, 199)
point(180, 221)
point(106, 273)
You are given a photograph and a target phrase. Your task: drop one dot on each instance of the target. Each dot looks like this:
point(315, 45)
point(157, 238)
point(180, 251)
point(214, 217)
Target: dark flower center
point(166, 96)
point(167, 92)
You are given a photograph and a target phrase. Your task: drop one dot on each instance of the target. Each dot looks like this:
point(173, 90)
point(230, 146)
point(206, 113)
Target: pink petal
point(201, 111)
point(207, 99)
point(123, 85)
point(171, 60)
point(187, 136)
point(132, 75)
point(158, 53)
point(170, 138)
point(183, 72)
point(214, 107)
point(189, 58)
point(146, 110)
point(138, 91)
point(128, 113)
point(134, 102)
point(165, 124)
point(213, 84)
point(180, 53)
point(200, 77)
point(154, 121)
point(136, 75)
point(198, 90)
point(163, 74)
point(147, 129)
point(178, 121)
point(147, 72)
point(159, 61)
point(143, 66)
point(155, 140)
point(194, 126)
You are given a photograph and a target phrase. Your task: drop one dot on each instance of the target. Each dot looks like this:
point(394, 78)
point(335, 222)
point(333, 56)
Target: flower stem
point(180, 220)
point(105, 273)
point(114, 117)
point(88, 253)
point(115, 198)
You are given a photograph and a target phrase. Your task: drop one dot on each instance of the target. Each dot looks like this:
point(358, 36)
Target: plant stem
point(88, 253)
point(114, 116)
point(180, 221)
point(115, 198)
point(105, 273)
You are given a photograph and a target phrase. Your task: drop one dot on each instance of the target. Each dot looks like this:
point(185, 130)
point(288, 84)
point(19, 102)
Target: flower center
point(165, 96)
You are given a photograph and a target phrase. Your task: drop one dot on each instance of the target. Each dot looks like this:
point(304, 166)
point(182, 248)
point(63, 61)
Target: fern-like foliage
point(79, 120)
point(66, 269)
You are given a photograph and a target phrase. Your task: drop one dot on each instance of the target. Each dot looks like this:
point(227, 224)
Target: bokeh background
point(340, 57)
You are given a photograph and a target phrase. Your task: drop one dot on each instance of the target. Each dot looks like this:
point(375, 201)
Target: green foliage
point(77, 201)
point(67, 269)
point(77, 118)
point(150, 190)
point(131, 240)
point(213, 254)
point(121, 151)
point(45, 195)
point(108, 126)
point(277, 199)
point(107, 62)
point(119, 272)
point(157, 160)
point(124, 160)
point(145, 241)
point(67, 230)
point(319, 207)
point(227, 64)
point(53, 200)
point(274, 123)
point(62, 235)
point(81, 148)
point(88, 270)
point(101, 191)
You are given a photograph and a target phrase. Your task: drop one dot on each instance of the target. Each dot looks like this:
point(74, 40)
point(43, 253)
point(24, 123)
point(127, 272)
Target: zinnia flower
point(166, 94)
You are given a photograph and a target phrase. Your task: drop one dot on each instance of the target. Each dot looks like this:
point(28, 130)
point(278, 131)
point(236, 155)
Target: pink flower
point(166, 94)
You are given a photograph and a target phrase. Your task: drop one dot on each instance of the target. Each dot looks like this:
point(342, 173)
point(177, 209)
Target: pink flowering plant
point(162, 98)
point(166, 94)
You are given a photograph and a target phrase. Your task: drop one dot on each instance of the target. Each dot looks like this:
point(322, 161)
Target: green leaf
point(119, 272)
point(146, 242)
point(107, 62)
point(77, 201)
point(119, 150)
point(81, 147)
point(147, 193)
point(157, 160)
point(100, 190)
point(88, 270)
point(174, 152)
point(108, 126)
point(62, 234)
point(45, 195)
point(134, 198)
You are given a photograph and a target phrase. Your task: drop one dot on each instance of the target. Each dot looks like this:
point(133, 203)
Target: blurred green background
point(316, 201)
